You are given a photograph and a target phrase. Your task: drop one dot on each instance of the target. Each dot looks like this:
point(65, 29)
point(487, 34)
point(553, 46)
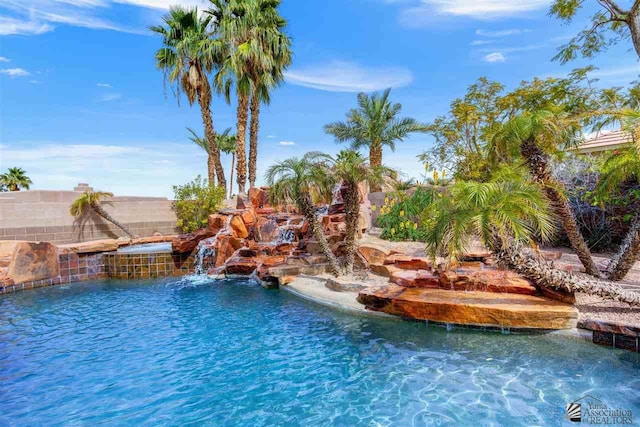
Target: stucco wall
point(41, 215)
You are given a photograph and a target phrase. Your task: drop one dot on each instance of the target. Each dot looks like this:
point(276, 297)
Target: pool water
point(201, 352)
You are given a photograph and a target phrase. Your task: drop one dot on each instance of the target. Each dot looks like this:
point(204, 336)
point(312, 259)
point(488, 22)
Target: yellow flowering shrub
point(400, 216)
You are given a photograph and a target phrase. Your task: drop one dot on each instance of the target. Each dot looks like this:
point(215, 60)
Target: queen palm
point(304, 182)
point(91, 201)
point(535, 137)
point(15, 179)
point(507, 215)
point(619, 168)
point(350, 169)
point(227, 144)
point(188, 54)
point(374, 124)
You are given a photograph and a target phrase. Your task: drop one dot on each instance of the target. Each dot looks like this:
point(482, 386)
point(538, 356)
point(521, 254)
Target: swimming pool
point(174, 352)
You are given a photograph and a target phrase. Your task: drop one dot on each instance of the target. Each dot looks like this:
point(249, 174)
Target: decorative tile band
point(147, 266)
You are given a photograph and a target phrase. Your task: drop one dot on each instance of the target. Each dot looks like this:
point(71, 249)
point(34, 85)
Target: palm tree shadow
point(90, 217)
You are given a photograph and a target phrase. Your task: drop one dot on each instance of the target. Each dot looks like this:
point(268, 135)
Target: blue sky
point(81, 100)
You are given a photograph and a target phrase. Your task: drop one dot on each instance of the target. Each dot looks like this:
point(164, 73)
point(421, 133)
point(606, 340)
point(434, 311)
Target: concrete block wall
point(41, 215)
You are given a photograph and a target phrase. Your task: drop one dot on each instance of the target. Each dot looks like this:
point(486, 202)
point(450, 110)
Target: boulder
point(242, 202)
point(217, 222)
point(558, 295)
point(383, 270)
point(272, 261)
point(487, 280)
point(8, 246)
point(238, 229)
point(158, 238)
point(374, 254)
point(406, 262)
point(226, 247)
point(240, 266)
point(265, 211)
point(185, 243)
point(258, 197)
point(249, 216)
point(416, 279)
point(105, 245)
point(266, 229)
point(34, 261)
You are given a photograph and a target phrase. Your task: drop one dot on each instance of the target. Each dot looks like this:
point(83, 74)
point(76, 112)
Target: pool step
point(475, 308)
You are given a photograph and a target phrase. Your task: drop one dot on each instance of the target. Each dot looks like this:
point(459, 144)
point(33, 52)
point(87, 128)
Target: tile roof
point(604, 141)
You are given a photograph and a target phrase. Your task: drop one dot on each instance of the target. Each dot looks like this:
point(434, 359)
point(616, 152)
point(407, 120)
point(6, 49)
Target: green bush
point(401, 216)
point(194, 202)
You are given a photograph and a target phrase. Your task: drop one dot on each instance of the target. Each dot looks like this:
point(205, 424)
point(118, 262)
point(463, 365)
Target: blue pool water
point(199, 352)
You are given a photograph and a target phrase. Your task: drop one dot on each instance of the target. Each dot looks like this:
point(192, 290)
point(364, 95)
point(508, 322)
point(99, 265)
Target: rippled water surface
point(230, 353)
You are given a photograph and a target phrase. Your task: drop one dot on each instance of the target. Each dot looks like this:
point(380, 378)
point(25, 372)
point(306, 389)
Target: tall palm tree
point(351, 169)
point(258, 52)
point(506, 215)
point(619, 168)
point(227, 144)
point(15, 179)
point(535, 137)
point(374, 124)
point(188, 54)
point(304, 182)
point(91, 201)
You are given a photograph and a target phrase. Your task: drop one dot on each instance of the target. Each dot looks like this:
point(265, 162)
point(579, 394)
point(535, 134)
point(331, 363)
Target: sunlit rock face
point(33, 261)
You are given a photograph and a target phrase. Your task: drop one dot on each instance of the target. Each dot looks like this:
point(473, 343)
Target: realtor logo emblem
point(573, 412)
point(590, 410)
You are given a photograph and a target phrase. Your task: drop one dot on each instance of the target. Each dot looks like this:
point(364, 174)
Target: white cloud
point(35, 82)
point(340, 76)
point(10, 26)
point(103, 85)
point(481, 42)
point(494, 57)
point(485, 8)
point(501, 33)
point(271, 136)
point(4, 59)
point(109, 97)
point(287, 143)
point(14, 72)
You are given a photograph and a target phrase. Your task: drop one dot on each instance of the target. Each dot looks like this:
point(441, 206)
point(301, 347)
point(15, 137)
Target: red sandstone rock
point(265, 211)
point(487, 280)
point(227, 246)
point(249, 216)
point(159, 238)
point(374, 254)
point(217, 222)
point(383, 270)
point(238, 229)
point(104, 245)
point(240, 266)
point(187, 242)
point(33, 261)
point(258, 197)
point(242, 202)
point(266, 229)
point(271, 261)
point(415, 279)
point(554, 294)
point(406, 262)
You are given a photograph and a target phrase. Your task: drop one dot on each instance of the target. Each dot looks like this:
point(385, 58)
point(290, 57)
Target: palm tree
point(303, 182)
point(15, 179)
point(258, 53)
point(227, 144)
point(535, 137)
point(374, 124)
point(506, 215)
point(619, 168)
point(204, 144)
point(351, 169)
point(91, 201)
point(188, 54)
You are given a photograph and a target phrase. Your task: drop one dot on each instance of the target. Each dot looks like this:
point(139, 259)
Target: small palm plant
point(304, 182)
point(15, 179)
point(91, 201)
point(351, 169)
point(227, 143)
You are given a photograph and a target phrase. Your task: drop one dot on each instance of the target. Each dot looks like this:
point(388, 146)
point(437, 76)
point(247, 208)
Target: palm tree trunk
point(352, 212)
point(243, 105)
point(100, 211)
point(253, 137)
point(537, 162)
point(233, 160)
point(211, 170)
point(627, 255)
point(204, 99)
point(543, 274)
point(222, 181)
point(308, 210)
point(375, 160)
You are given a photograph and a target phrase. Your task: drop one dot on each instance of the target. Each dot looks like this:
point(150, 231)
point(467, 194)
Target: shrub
point(194, 202)
point(401, 215)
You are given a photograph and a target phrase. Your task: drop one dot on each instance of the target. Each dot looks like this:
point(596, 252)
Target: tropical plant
point(194, 202)
point(15, 179)
point(620, 167)
point(610, 24)
point(508, 215)
point(259, 51)
point(535, 137)
point(91, 201)
point(305, 182)
point(350, 170)
point(188, 54)
point(402, 217)
point(227, 144)
point(374, 124)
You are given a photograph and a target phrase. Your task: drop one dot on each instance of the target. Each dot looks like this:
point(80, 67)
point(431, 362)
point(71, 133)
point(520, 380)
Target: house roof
point(604, 141)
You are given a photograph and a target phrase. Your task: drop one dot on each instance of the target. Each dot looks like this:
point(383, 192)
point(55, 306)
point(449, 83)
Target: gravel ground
point(590, 307)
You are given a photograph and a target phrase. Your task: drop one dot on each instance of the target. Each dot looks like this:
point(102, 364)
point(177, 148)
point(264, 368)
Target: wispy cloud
point(494, 57)
point(481, 42)
point(287, 143)
point(340, 76)
point(3, 59)
point(14, 72)
point(10, 26)
point(501, 33)
point(109, 97)
point(103, 85)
